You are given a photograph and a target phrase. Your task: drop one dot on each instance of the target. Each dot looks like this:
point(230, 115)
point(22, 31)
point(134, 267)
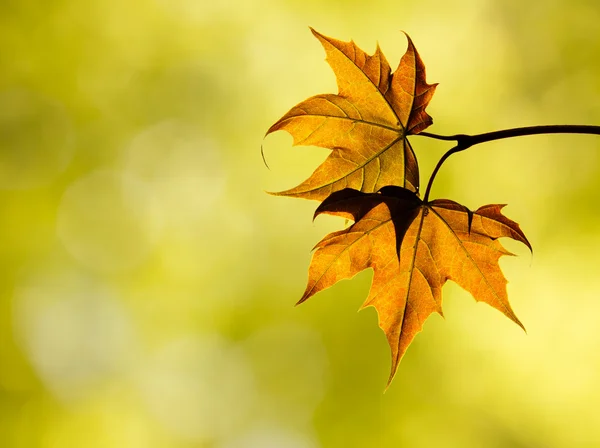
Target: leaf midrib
point(398, 130)
point(376, 155)
point(508, 311)
point(381, 94)
point(330, 265)
point(410, 277)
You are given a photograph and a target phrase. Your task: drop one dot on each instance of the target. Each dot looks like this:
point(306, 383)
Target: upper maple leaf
point(365, 124)
point(413, 248)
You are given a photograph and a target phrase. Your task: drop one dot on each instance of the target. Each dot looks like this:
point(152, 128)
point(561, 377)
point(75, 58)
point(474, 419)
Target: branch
point(464, 141)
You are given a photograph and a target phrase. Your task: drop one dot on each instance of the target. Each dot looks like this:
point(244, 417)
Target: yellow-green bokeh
point(148, 282)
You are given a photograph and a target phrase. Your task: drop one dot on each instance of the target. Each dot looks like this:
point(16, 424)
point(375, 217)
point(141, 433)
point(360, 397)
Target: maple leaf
point(365, 125)
point(414, 247)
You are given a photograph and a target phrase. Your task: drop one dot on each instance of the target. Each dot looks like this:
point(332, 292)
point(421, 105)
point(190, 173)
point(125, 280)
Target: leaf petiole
point(465, 141)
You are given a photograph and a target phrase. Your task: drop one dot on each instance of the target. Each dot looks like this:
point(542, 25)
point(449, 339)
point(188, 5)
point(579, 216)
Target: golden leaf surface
point(365, 125)
point(413, 248)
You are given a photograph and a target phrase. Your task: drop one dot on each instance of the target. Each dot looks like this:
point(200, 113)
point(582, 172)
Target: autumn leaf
point(365, 125)
point(413, 247)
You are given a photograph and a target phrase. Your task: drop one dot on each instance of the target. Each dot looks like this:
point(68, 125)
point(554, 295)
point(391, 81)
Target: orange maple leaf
point(414, 247)
point(365, 125)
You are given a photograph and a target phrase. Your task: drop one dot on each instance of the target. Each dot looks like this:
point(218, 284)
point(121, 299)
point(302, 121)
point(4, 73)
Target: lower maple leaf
point(413, 248)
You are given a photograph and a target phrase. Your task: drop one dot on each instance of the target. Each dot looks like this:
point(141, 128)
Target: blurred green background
point(148, 282)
